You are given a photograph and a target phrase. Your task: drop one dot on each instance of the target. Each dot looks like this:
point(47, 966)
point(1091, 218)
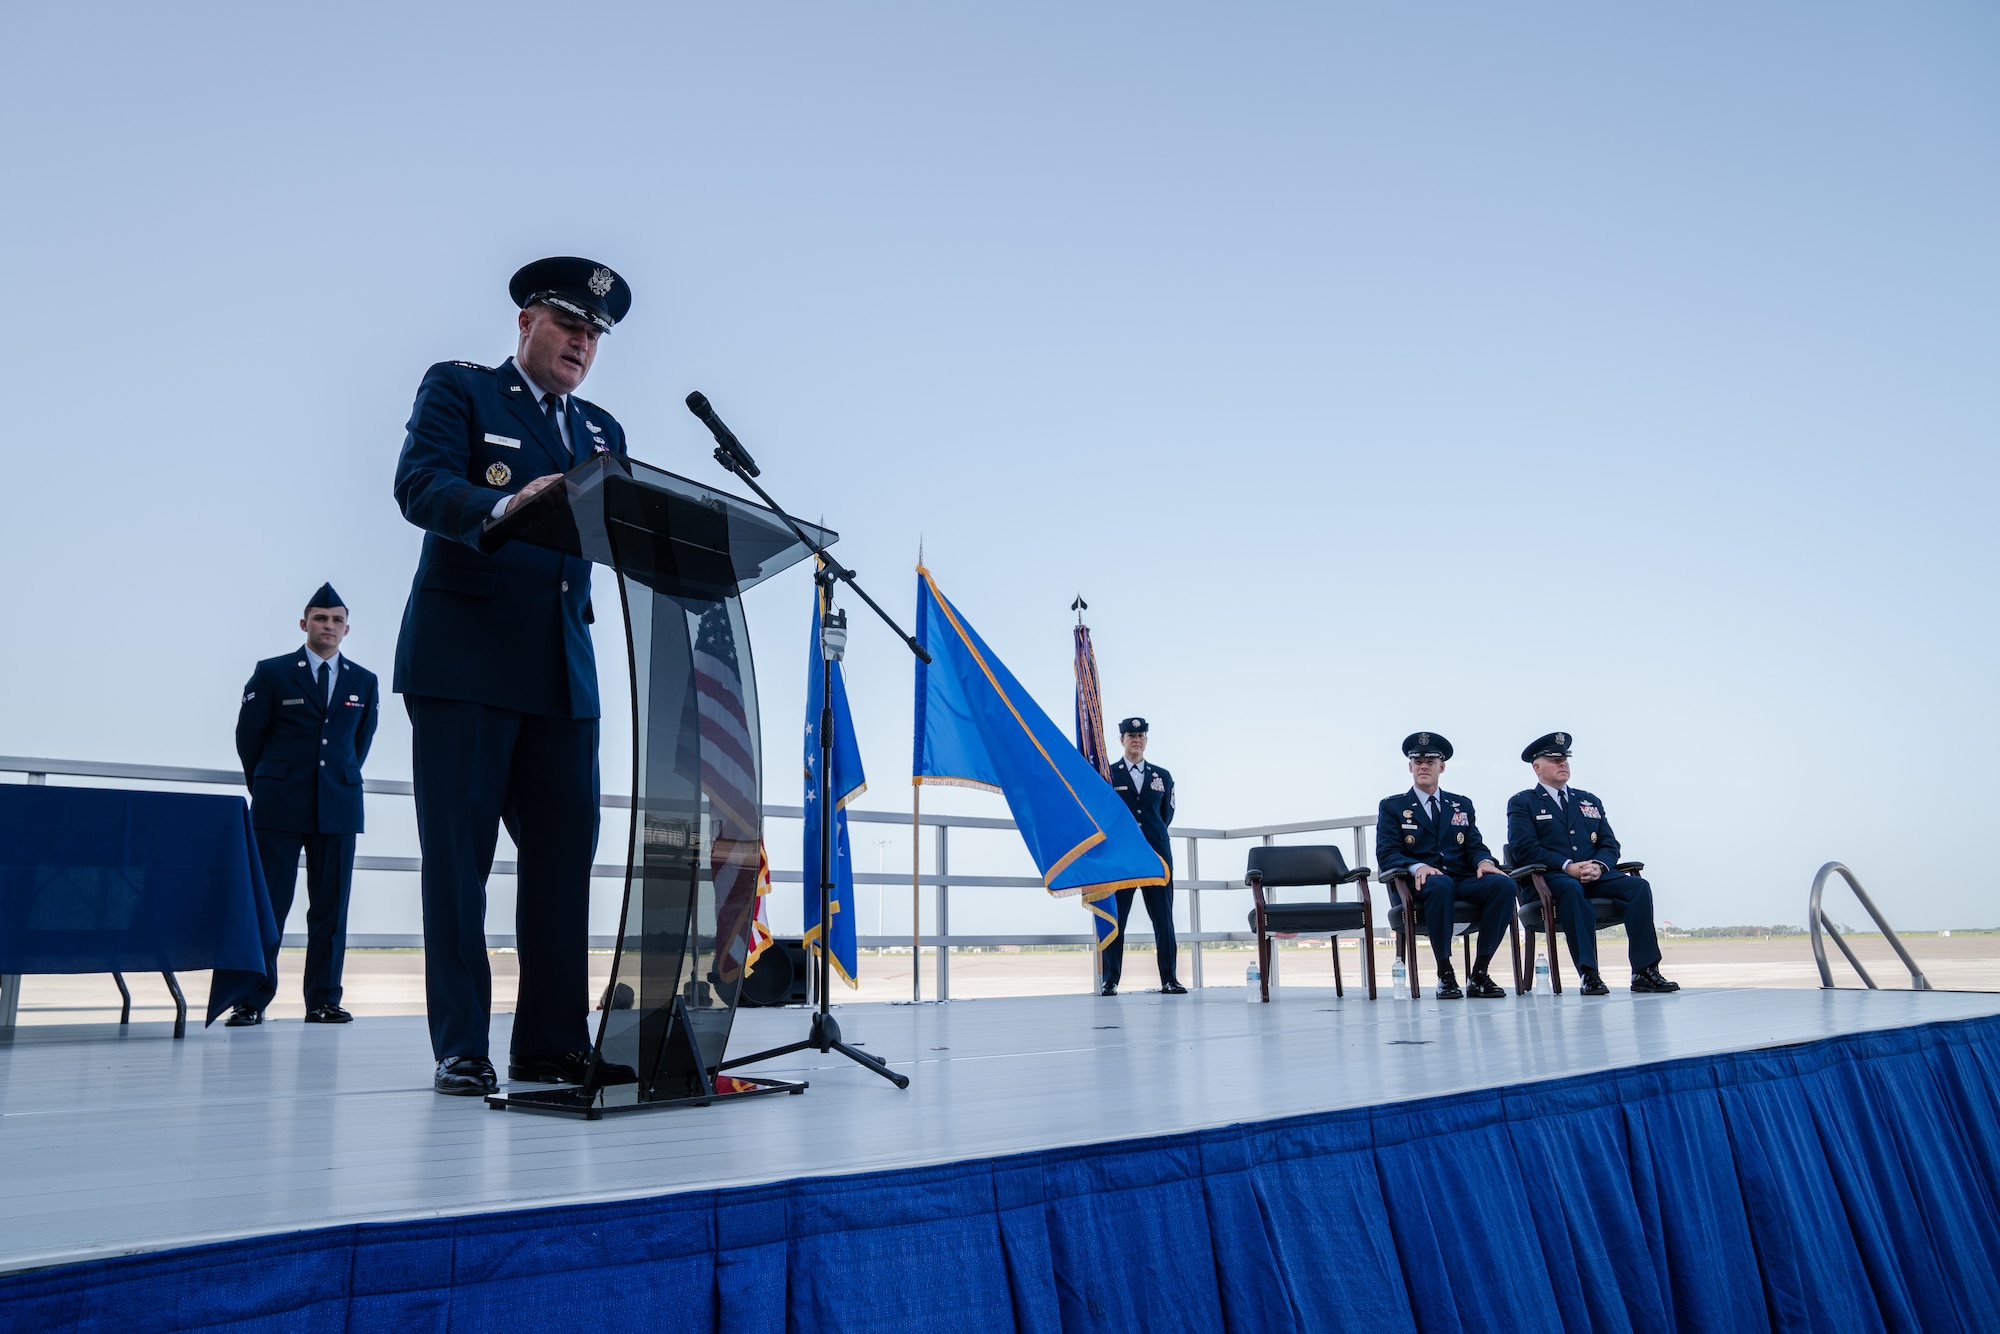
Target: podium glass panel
point(683, 553)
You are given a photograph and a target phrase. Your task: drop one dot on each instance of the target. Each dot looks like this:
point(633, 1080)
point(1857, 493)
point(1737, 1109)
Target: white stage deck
point(112, 1144)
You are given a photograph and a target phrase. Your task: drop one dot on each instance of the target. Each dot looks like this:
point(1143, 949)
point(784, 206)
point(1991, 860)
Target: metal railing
point(941, 880)
point(1820, 922)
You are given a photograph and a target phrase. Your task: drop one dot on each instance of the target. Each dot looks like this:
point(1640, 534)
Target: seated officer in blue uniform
point(1148, 791)
point(494, 664)
point(303, 733)
point(1563, 828)
point(1434, 835)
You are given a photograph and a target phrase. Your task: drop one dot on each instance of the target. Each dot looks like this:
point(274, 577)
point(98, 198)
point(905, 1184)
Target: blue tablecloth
point(103, 880)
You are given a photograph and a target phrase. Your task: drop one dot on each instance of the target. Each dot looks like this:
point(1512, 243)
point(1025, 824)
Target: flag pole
point(916, 895)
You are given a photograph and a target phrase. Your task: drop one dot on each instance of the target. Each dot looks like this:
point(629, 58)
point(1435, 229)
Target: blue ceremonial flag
point(1090, 744)
point(976, 727)
point(847, 783)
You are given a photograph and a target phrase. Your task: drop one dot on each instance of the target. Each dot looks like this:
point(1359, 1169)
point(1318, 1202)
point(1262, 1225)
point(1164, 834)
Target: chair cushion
point(1309, 917)
point(1464, 912)
point(1609, 913)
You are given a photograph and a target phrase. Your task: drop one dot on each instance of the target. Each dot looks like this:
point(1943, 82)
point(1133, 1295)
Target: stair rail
point(1816, 915)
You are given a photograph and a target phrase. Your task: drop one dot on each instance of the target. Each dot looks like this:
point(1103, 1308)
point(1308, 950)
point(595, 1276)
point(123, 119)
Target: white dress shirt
point(313, 660)
point(1432, 803)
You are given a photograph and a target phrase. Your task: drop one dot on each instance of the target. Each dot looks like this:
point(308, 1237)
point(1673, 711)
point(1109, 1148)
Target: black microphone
point(724, 437)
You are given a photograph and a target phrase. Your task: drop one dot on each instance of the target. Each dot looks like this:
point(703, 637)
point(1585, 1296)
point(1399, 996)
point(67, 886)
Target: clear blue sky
point(1489, 370)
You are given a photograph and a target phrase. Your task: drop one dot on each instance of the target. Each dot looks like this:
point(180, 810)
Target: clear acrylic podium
point(683, 553)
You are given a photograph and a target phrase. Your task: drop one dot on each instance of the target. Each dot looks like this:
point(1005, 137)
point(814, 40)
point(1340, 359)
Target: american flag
point(1090, 741)
point(729, 780)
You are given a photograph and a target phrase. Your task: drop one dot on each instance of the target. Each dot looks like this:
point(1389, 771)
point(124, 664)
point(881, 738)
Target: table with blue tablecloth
point(108, 880)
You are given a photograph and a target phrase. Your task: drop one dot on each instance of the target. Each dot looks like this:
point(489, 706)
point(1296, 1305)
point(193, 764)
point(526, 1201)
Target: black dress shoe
point(1482, 987)
point(1172, 987)
point(328, 1014)
point(1649, 980)
point(465, 1076)
point(1110, 989)
point(243, 1016)
point(1448, 988)
point(568, 1068)
point(1593, 985)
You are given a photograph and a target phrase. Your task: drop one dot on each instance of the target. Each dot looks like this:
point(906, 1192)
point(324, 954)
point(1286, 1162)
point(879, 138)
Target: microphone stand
point(825, 1034)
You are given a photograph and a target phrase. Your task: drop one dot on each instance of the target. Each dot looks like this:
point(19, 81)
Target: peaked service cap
point(583, 287)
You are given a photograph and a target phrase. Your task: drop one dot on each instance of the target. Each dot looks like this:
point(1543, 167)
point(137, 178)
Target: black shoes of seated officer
point(1479, 985)
point(1647, 981)
point(1593, 985)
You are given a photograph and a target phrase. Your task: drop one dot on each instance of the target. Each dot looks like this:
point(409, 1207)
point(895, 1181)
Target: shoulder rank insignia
point(499, 474)
point(473, 366)
point(247, 698)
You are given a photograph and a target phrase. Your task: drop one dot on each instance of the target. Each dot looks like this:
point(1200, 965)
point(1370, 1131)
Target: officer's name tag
point(294, 701)
point(1409, 826)
point(1545, 817)
point(504, 441)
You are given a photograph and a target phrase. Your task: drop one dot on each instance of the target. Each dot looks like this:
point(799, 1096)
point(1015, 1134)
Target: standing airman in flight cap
point(1563, 828)
point(495, 666)
point(1434, 835)
point(303, 733)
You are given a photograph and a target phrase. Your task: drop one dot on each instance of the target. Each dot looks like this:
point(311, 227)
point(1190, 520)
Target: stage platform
point(121, 1143)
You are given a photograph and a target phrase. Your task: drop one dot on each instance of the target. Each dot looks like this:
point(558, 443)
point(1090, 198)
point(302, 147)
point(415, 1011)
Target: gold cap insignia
point(1561, 740)
point(1423, 738)
point(499, 475)
point(600, 281)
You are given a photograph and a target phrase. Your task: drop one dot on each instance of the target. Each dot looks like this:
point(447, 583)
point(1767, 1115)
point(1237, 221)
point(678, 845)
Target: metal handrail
point(1818, 919)
point(942, 879)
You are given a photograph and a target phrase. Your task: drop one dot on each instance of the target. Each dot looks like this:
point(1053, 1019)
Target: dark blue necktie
point(554, 406)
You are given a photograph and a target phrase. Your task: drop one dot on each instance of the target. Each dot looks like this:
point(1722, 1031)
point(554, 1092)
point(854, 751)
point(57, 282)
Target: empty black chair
point(1538, 915)
point(1286, 868)
point(1464, 921)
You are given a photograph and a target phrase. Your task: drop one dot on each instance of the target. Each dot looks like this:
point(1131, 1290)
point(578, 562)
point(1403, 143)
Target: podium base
point(596, 1104)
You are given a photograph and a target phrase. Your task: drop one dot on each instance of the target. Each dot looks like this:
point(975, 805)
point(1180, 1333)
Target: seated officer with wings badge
point(1434, 835)
point(1564, 829)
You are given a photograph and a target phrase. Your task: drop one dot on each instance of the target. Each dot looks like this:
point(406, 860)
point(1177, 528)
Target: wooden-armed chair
point(1287, 868)
point(1539, 915)
point(1464, 921)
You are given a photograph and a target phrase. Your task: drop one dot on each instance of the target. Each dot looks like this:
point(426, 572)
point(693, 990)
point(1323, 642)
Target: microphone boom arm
point(830, 568)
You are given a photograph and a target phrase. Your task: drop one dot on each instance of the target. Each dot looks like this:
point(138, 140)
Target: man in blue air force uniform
point(303, 734)
point(1563, 828)
point(1148, 791)
point(1434, 835)
point(495, 666)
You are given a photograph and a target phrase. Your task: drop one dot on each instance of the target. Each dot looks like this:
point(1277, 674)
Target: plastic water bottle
point(1399, 980)
point(1542, 973)
point(1253, 985)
